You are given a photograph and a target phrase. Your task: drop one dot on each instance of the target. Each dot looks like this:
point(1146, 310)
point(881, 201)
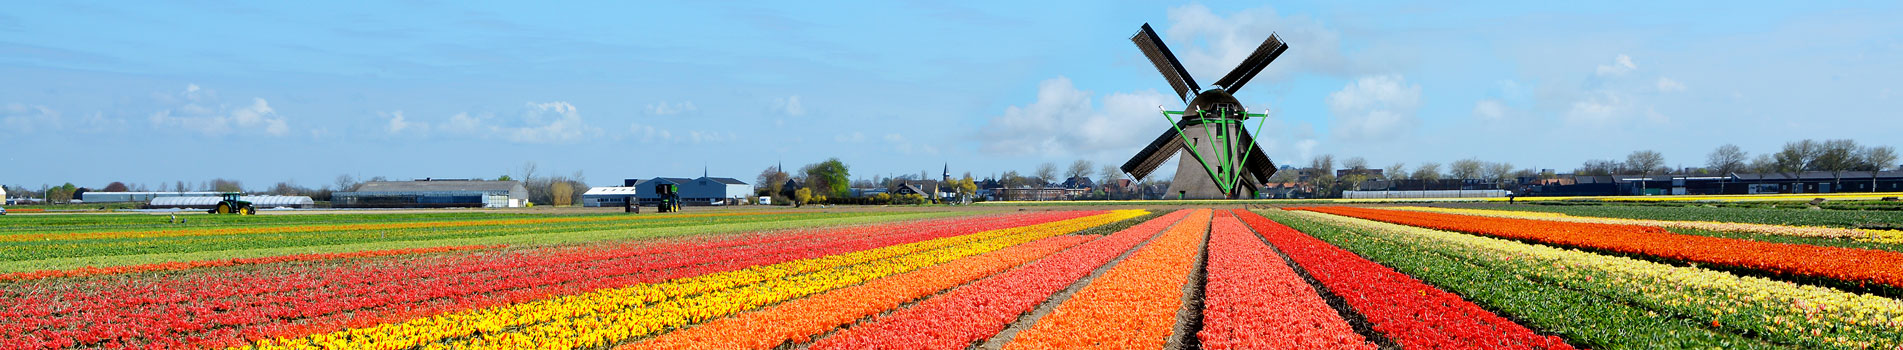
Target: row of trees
point(543, 189)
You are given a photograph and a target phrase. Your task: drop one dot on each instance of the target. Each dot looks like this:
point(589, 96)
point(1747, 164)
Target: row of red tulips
point(1413, 314)
point(1253, 300)
point(1848, 264)
point(186, 265)
point(226, 308)
point(979, 310)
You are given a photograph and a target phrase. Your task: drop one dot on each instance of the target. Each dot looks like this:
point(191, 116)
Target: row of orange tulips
point(1131, 306)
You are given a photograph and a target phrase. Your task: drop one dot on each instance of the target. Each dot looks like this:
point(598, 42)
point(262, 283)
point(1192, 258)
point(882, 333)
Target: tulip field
point(1303, 277)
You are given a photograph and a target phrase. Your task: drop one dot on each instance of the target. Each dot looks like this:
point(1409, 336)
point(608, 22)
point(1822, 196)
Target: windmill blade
point(1257, 60)
point(1165, 62)
point(1154, 155)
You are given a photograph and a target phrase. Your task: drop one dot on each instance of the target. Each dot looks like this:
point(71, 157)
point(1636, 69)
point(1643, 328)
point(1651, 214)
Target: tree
point(224, 185)
point(1110, 175)
point(1763, 164)
point(1797, 157)
point(1599, 167)
point(1429, 171)
point(1836, 157)
point(1878, 158)
point(1466, 169)
point(1645, 162)
point(829, 178)
point(115, 186)
point(1357, 164)
point(346, 183)
point(1045, 173)
point(1324, 164)
point(1726, 159)
point(1396, 172)
point(1498, 173)
point(771, 181)
point(1323, 178)
point(968, 186)
point(801, 196)
point(1011, 179)
point(505, 177)
point(1079, 168)
point(285, 188)
point(561, 194)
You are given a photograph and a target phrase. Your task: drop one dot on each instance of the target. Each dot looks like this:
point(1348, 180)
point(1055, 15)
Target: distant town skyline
point(153, 93)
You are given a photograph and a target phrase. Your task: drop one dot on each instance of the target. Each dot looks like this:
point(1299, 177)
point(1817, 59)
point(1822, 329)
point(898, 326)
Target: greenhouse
point(262, 202)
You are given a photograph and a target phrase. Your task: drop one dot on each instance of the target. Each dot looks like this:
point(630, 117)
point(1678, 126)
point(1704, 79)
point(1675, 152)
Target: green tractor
point(231, 205)
point(670, 198)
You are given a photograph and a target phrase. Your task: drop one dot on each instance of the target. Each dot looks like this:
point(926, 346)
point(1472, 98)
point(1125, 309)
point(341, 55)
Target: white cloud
point(789, 106)
point(1209, 45)
point(24, 119)
point(548, 122)
point(906, 146)
point(1374, 107)
point(1490, 110)
point(398, 124)
point(665, 108)
point(1063, 121)
point(1669, 85)
point(202, 113)
point(1620, 66)
point(850, 138)
point(656, 134)
point(1601, 109)
point(649, 133)
point(462, 123)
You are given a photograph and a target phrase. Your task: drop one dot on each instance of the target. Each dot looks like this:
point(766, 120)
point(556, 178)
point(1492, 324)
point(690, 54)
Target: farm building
point(201, 202)
point(433, 193)
point(612, 196)
point(705, 190)
point(115, 197)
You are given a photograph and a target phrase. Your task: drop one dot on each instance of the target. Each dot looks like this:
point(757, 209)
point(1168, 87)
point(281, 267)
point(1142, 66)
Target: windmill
point(1218, 158)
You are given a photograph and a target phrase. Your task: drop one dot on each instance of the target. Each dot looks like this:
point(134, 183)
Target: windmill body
point(1216, 155)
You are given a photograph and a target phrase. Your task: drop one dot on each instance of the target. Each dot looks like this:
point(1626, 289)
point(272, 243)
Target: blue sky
point(155, 92)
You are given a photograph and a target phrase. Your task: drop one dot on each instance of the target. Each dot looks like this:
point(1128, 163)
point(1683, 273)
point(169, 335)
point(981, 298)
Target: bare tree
point(528, 171)
point(1429, 171)
point(1110, 174)
point(1726, 159)
point(1645, 162)
point(1357, 164)
point(1498, 173)
point(1466, 169)
point(1046, 173)
point(1080, 168)
point(1599, 167)
point(1397, 171)
point(1836, 157)
point(1878, 158)
point(1324, 164)
point(346, 183)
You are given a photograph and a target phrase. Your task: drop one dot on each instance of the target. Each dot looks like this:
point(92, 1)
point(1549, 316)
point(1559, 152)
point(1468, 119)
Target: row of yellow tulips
point(1782, 311)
